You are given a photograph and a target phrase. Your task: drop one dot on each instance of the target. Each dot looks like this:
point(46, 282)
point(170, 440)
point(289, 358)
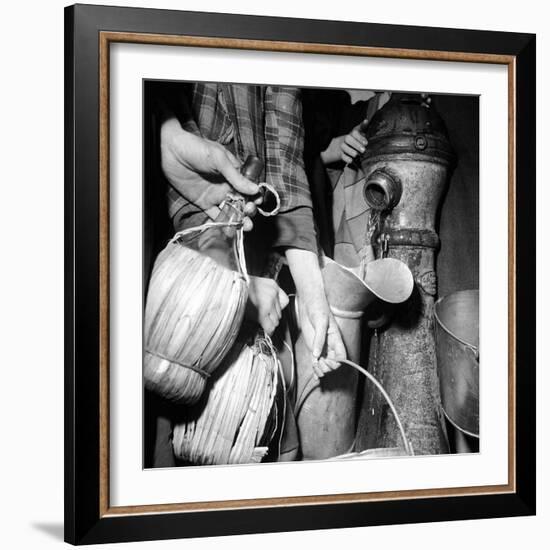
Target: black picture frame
point(85, 523)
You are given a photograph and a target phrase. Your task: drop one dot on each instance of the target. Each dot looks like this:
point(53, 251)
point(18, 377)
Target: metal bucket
point(457, 350)
point(327, 420)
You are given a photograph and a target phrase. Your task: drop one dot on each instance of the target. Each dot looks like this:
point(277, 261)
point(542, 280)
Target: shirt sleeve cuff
point(295, 229)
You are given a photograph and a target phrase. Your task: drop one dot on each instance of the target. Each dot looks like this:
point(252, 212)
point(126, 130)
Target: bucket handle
point(406, 443)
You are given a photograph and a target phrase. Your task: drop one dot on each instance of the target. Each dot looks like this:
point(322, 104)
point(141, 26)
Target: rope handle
point(203, 227)
point(239, 236)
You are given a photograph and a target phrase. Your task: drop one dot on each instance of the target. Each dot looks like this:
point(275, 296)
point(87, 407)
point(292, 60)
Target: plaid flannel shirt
point(265, 121)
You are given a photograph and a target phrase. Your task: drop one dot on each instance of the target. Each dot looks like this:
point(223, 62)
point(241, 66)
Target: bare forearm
point(305, 270)
point(318, 326)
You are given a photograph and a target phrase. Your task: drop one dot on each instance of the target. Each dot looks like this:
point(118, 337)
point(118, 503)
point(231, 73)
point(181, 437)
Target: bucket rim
point(455, 425)
point(440, 323)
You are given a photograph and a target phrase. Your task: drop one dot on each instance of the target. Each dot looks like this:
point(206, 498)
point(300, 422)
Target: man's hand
point(319, 329)
point(345, 148)
point(426, 100)
point(203, 171)
point(266, 302)
point(321, 334)
point(353, 144)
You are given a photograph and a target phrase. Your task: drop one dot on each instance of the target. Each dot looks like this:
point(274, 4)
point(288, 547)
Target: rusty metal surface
point(404, 127)
point(402, 357)
point(382, 190)
point(409, 141)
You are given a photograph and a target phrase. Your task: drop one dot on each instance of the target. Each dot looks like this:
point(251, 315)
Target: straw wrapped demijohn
point(230, 424)
point(195, 305)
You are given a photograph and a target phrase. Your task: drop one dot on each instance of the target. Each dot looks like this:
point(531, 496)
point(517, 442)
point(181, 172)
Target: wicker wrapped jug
point(233, 423)
point(195, 304)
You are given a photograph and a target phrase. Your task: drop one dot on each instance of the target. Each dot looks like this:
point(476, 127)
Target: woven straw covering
point(228, 425)
point(193, 313)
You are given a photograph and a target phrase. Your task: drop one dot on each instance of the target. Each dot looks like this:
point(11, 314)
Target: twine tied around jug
point(196, 298)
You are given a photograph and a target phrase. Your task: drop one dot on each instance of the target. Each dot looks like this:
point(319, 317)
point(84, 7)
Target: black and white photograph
point(310, 274)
